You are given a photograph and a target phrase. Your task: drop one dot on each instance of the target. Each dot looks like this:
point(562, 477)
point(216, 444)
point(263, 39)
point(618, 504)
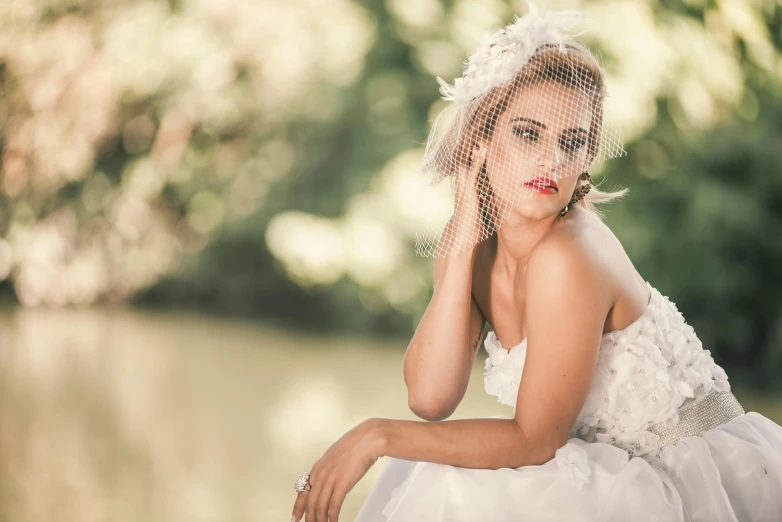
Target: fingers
point(309, 506)
point(318, 506)
point(335, 505)
point(468, 175)
point(298, 506)
point(301, 506)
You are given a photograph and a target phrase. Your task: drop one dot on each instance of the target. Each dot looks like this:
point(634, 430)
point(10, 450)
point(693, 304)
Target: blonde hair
point(575, 68)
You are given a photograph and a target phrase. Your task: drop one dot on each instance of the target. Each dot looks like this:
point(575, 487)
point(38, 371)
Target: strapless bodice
point(645, 372)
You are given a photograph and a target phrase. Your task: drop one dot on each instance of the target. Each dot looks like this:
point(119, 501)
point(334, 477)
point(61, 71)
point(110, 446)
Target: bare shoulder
point(572, 262)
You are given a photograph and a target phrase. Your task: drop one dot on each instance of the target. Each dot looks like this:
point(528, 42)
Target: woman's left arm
point(469, 443)
point(564, 325)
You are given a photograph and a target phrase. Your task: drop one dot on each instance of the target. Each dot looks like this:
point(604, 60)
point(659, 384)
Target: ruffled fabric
point(644, 374)
point(502, 370)
point(607, 470)
point(732, 473)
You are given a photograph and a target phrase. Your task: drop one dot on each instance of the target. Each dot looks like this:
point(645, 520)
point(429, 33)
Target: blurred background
point(207, 271)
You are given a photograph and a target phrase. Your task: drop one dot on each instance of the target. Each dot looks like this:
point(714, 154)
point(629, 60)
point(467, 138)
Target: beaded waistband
point(715, 409)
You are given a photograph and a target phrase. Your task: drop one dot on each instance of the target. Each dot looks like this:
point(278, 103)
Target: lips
point(543, 183)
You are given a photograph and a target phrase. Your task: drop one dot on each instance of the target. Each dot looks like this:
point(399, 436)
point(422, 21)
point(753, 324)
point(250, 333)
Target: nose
point(550, 158)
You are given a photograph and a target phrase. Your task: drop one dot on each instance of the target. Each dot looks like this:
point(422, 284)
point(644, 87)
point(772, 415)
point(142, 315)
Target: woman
point(621, 414)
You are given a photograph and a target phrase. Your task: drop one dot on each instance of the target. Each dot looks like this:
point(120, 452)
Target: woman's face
point(542, 135)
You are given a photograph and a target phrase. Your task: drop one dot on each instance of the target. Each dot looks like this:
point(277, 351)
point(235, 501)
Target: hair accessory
point(502, 53)
point(526, 114)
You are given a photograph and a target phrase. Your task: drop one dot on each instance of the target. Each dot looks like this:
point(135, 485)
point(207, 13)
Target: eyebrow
point(542, 126)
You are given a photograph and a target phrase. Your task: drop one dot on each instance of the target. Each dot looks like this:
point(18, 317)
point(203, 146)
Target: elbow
point(428, 409)
point(540, 450)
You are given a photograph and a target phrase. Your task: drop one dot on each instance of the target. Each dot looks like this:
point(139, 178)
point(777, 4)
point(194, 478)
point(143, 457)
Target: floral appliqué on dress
point(645, 372)
point(573, 460)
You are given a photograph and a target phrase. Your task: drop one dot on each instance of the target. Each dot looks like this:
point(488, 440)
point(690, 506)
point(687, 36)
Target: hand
point(337, 471)
point(470, 201)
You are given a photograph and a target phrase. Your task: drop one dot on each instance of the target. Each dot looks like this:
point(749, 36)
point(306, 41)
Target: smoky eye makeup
point(572, 143)
point(528, 133)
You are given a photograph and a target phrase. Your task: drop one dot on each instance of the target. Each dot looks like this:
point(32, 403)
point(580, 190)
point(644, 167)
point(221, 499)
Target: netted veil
point(525, 121)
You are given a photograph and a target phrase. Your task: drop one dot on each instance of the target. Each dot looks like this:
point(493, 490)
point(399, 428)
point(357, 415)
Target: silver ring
point(302, 481)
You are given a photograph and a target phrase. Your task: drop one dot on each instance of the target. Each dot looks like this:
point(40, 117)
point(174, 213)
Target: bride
point(619, 412)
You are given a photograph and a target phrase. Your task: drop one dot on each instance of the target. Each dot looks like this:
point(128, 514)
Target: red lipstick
point(542, 185)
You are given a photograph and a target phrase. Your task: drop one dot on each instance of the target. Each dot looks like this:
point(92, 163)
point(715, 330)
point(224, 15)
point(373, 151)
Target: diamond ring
point(303, 482)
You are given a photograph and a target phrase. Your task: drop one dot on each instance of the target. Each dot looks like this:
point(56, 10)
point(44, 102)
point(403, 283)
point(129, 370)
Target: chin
point(534, 208)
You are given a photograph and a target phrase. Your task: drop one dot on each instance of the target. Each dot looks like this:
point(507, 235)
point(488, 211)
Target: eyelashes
point(529, 134)
point(573, 144)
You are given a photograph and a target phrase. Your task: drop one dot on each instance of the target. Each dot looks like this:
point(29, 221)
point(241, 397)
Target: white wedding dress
point(612, 468)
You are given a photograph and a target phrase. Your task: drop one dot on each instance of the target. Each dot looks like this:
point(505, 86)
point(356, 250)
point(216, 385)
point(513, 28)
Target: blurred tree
point(716, 250)
point(229, 159)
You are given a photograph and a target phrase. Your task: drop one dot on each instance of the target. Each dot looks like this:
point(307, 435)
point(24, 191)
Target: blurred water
point(131, 416)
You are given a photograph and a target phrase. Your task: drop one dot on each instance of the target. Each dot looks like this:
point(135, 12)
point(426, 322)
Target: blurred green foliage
point(716, 250)
point(152, 168)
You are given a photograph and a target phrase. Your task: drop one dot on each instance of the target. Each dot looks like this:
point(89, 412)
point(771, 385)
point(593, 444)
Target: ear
point(480, 143)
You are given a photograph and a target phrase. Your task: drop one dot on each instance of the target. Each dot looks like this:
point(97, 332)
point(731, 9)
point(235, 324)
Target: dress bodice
point(645, 372)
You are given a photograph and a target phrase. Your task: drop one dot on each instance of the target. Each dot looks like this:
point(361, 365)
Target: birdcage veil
point(524, 122)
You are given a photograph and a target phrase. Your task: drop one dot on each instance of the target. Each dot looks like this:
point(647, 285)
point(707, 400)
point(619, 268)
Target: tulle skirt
point(730, 473)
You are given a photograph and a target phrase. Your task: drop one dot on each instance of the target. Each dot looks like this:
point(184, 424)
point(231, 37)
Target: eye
point(528, 134)
point(572, 144)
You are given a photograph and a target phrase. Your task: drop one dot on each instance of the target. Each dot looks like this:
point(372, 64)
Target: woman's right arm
point(441, 354)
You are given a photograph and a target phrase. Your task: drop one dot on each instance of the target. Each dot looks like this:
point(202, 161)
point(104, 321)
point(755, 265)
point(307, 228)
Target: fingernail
point(293, 518)
point(482, 153)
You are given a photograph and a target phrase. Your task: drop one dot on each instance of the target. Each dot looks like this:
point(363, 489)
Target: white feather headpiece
point(495, 165)
point(502, 54)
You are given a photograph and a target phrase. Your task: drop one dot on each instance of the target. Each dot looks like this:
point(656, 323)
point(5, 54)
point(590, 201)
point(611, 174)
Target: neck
point(516, 238)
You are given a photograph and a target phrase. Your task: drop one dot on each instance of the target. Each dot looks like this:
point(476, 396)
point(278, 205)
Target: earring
point(579, 193)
